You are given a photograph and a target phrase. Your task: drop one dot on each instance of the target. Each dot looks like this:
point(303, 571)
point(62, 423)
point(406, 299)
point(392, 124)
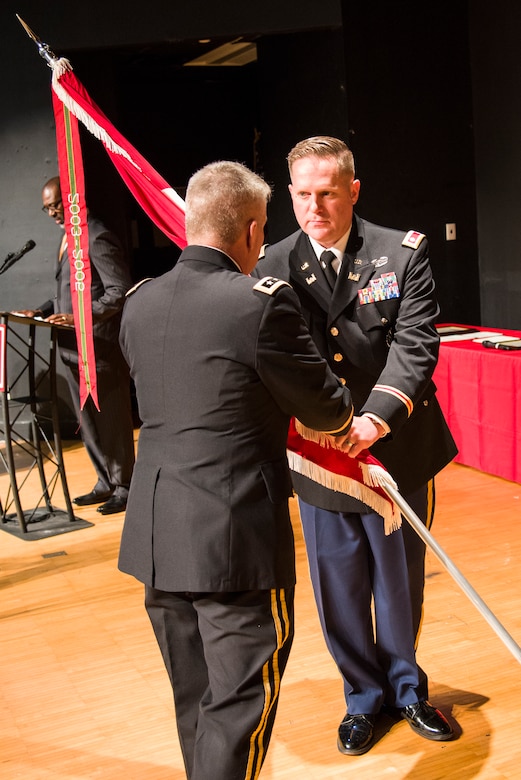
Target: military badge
point(382, 289)
point(270, 284)
point(413, 239)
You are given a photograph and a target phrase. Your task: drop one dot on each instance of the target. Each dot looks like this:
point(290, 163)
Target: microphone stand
point(8, 262)
point(13, 257)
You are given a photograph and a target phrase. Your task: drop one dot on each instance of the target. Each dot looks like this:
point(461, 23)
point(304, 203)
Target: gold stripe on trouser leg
point(431, 495)
point(271, 681)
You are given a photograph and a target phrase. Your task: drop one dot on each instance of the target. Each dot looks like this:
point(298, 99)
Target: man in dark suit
point(108, 433)
point(220, 362)
point(367, 295)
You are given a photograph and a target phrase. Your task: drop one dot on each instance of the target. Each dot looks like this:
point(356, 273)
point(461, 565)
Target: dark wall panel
point(496, 68)
point(302, 93)
point(410, 113)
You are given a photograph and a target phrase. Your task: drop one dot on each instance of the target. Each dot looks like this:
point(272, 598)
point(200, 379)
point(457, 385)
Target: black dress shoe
point(355, 734)
point(427, 721)
point(113, 505)
point(94, 497)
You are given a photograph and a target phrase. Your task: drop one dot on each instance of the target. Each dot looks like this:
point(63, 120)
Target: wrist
point(382, 428)
point(379, 427)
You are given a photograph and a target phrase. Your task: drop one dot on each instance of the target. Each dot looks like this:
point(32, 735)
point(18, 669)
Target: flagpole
point(43, 50)
point(464, 584)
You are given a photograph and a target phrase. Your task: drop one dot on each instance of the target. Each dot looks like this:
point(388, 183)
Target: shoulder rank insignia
point(137, 286)
point(413, 239)
point(269, 285)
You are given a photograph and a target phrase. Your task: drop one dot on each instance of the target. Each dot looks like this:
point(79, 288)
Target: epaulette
point(413, 239)
point(137, 286)
point(270, 284)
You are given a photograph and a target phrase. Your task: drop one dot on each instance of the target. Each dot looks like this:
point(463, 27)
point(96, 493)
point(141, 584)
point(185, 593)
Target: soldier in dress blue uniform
point(367, 294)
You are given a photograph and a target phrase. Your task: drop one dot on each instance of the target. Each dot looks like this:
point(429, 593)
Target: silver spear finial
point(43, 50)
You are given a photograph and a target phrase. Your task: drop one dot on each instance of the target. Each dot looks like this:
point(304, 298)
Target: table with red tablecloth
point(479, 390)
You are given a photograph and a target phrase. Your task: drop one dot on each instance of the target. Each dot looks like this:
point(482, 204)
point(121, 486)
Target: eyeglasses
point(52, 207)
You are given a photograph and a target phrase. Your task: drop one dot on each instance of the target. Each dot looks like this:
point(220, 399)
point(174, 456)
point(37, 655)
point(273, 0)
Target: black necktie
point(326, 259)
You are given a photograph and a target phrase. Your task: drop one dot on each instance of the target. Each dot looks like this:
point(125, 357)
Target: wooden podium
point(31, 448)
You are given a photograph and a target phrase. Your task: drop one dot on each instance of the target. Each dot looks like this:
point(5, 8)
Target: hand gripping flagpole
point(364, 478)
point(464, 584)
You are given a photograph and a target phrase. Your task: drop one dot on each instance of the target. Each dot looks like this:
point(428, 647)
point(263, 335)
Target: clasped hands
point(362, 434)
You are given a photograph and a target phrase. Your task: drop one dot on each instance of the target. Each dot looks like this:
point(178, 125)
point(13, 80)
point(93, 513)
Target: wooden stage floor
point(84, 694)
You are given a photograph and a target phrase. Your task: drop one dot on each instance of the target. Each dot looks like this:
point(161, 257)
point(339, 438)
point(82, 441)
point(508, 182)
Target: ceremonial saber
point(464, 584)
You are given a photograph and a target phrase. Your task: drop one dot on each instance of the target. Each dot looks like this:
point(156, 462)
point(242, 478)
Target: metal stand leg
point(35, 448)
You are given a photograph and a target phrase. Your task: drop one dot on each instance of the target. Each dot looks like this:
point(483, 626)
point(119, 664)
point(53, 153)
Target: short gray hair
point(324, 146)
point(220, 200)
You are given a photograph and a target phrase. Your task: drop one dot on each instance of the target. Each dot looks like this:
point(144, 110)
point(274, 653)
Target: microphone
point(13, 257)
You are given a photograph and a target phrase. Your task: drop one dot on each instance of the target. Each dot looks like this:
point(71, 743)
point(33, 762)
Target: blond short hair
point(221, 199)
point(324, 146)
